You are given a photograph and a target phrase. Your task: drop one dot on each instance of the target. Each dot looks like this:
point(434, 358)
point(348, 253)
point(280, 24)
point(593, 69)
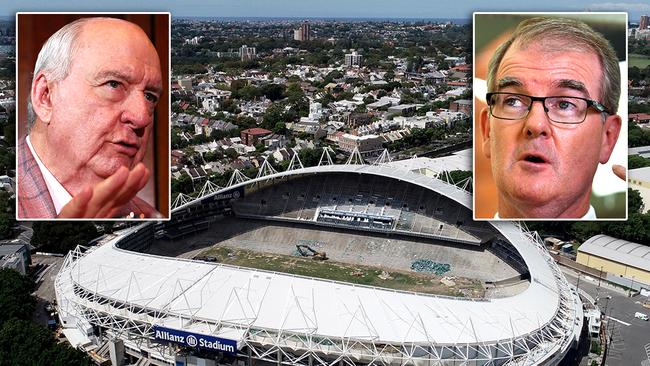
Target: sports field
point(393, 262)
point(345, 272)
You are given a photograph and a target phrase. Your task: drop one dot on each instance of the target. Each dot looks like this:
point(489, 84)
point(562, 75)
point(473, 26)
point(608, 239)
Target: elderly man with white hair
point(95, 86)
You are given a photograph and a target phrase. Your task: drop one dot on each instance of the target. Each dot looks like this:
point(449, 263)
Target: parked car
point(641, 316)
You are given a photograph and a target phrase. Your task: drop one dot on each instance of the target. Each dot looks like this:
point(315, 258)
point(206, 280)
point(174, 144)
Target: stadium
point(128, 299)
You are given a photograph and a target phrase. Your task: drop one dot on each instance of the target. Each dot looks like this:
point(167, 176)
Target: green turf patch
point(344, 272)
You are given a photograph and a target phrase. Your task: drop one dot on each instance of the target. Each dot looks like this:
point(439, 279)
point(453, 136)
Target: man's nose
point(138, 111)
point(537, 122)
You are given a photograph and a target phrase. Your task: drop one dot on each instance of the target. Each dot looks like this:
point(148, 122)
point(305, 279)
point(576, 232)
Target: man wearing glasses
point(551, 118)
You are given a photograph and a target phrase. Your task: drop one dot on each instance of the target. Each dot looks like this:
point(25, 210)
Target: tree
point(7, 160)
point(62, 236)
point(310, 157)
point(231, 153)
point(273, 91)
point(457, 177)
point(296, 98)
point(183, 184)
point(248, 92)
point(280, 128)
point(25, 343)
point(16, 300)
point(634, 201)
point(235, 87)
point(9, 129)
point(213, 155)
point(333, 75)
point(585, 230)
point(637, 136)
point(273, 116)
point(260, 148)
point(636, 161)
point(7, 216)
point(177, 141)
point(190, 154)
point(188, 69)
point(327, 99)
point(21, 341)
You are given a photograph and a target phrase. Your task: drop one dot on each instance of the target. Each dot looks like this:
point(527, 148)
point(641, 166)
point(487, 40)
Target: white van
point(641, 316)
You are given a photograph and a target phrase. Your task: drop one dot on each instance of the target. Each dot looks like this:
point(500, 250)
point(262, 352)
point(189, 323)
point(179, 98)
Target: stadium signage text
point(226, 196)
point(195, 340)
point(235, 193)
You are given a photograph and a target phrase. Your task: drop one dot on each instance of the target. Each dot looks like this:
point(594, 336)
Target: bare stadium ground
point(259, 244)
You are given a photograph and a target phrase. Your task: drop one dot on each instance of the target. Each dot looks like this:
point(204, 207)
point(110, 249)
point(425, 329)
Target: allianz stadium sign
point(195, 340)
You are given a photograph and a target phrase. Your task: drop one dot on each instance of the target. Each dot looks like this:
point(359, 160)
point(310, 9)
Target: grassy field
point(358, 274)
point(639, 61)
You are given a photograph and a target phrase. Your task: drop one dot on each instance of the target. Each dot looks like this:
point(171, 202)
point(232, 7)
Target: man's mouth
point(128, 148)
point(534, 158)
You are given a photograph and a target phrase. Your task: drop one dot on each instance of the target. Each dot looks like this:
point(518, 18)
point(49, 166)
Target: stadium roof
point(461, 160)
point(642, 174)
point(262, 299)
point(270, 308)
point(643, 151)
point(618, 250)
point(270, 300)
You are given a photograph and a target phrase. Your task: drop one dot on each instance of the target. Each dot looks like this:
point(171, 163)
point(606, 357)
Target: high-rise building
point(644, 22)
point(353, 59)
point(247, 53)
point(302, 33)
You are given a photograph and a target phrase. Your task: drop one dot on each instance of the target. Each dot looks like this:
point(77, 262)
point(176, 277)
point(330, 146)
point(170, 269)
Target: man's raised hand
point(106, 198)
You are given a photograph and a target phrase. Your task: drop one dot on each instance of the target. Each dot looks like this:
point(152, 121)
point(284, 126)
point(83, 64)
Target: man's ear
point(484, 121)
point(41, 97)
point(611, 129)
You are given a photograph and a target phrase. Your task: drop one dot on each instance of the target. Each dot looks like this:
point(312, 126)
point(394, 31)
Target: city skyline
point(382, 9)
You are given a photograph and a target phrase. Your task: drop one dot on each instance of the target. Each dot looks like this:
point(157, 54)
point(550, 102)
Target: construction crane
point(307, 251)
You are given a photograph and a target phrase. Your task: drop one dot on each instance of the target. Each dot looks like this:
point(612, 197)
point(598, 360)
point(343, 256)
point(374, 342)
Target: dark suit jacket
point(34, 201)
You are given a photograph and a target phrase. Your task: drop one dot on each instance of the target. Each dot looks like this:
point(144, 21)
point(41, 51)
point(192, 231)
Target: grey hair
point(562, 34)
point(55, 58)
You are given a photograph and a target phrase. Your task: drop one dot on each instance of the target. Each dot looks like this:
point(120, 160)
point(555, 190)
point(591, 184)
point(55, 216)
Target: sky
point(324, 8)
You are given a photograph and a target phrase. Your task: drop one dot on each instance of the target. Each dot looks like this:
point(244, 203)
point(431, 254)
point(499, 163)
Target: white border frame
point(169, 103)
point(623, 105)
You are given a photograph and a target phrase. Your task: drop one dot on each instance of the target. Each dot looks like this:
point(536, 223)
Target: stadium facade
point(114, 299)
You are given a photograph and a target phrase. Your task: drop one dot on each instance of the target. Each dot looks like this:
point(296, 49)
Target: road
point(629, 334)
point(26, 231)
point(45, 288)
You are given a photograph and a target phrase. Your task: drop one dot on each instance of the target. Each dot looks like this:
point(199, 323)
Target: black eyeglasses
point(560, 109)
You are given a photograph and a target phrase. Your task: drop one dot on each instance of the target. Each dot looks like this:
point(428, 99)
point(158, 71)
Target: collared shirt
point(590, 215)
point(60, 197)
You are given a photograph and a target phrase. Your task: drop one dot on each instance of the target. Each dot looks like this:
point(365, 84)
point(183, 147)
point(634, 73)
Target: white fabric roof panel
point(460, 160)
point(618, 250)
point(642, 174)
point(138, 279)
point(285, 302)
